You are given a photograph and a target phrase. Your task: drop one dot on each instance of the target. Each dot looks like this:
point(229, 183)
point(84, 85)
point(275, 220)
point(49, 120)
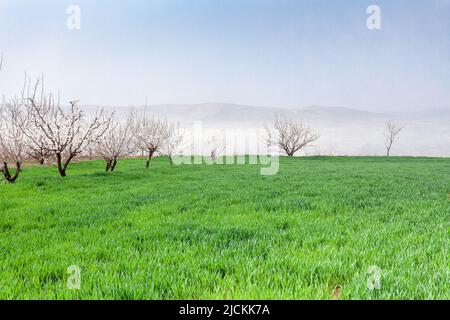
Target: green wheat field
point(226, 232)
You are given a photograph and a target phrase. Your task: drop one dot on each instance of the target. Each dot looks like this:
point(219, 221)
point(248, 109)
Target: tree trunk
point(7, 174)
point(63, 167)
point(41, 161)
point(171, 160)
point(108, 165)
point(150, 155)
point(66, 164)
point(113, 165)
point(61, 170)
point(288, 151)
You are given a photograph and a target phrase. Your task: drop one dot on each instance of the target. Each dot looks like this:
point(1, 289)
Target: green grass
point(225, 231)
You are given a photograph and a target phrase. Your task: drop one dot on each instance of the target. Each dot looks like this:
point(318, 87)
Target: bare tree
point(289, 135)
point(12, 139)
point(36, 150)
point(117, 142)
point(173, 141)
point(151, 135)
point(66, 132)
point(215, 147)
point(391, 133)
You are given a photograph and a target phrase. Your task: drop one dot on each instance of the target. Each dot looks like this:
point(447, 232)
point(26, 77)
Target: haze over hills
point(344, 131)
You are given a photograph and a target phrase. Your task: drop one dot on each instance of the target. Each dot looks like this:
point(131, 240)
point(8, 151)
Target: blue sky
point(268, 53)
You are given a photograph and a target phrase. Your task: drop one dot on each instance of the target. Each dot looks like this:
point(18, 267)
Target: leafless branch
point(392, 132)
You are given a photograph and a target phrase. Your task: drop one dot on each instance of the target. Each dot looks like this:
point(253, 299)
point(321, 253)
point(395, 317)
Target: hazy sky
point(269, 53)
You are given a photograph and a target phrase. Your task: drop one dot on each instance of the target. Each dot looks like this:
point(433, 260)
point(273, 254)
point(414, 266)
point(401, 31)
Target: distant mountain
point(440, 114)
point(226, 112)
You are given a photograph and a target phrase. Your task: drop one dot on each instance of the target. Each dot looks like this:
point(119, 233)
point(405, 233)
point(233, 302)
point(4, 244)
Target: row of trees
point(34, 125)
point(37, 126)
